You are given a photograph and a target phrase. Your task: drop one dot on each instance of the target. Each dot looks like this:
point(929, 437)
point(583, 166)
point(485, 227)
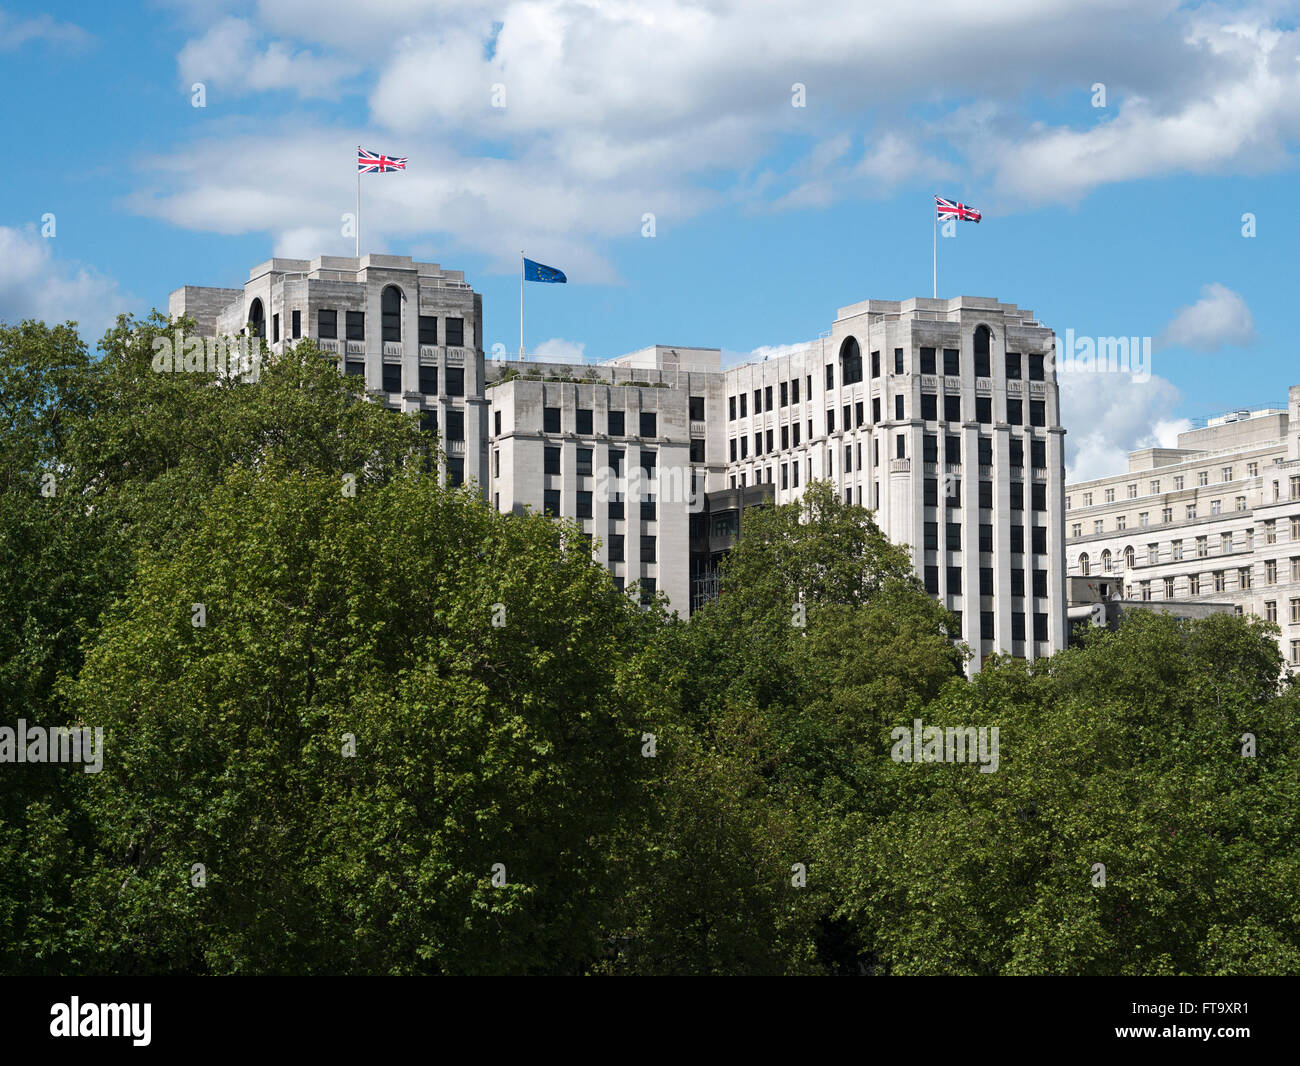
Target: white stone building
point(1215, 519)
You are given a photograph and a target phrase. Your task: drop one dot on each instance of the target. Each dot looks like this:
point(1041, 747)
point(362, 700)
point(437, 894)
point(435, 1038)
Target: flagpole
point(934, 218)
point(521, 303)
point(358, 226)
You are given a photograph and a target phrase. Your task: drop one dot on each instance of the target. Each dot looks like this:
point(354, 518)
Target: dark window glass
point(455, 472)
point(390, 314)
point(1035, 367)
point(584, 504)
point(455, 330)
point(929, 407)
point(647, 508)
point(616, 424)
point(1018, 621)
point(1040, 626)
point(952, 538)
point(429, 384)
point(986, 625)
point(932, 580)
point(930, 492)
point(985, 446)
point(952, 451)
point(649, 424)
point(1038, 496)
point(1017, 495)
point(1015, 413)
point(647, 549)
point(983, 410)
point(1038, 538)
point(297, 325)
point(986, 537)
point(830, 376)
point(929, 448)
point(392, 377)
point(1037, 413)
point(986, 581)
point(1038, 449)
point(986, 494)
point(951, 362)
point(616, 547)
point(1013, 365)
point(954, 579)
point(1016, 452)
point(931, 536)
point(327, 325)
point(952, 408)
point(356, 322)
point(582, 421)
point(455, 424)
point(1018, 589)
point(898, 360)
point(455, 381)
point(275, 328)
point(697, 449)
point(927, 361)
point(1040, 582)
point(785, 394)
point(982, 352)
point(550, 420)
point(875, 364)
point(1017, 538)
point(551, 502)
point(354, 368)
point(428, 329)
point(850, 363)
point(584, 462)
point(697, 408)
point(731, 408)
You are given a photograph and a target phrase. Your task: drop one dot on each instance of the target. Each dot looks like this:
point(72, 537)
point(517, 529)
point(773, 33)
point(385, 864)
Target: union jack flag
point(948, 209)
point(369, 162)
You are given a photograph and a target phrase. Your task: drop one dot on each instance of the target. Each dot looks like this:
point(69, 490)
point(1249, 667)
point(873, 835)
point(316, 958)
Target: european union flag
point(534, 271)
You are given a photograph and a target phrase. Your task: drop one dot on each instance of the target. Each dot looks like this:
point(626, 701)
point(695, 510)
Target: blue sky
point(1122, 220)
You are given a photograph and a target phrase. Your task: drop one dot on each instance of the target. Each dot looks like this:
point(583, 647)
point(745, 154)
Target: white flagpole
point(935, 219)
point(521, 303)
point(358, 226)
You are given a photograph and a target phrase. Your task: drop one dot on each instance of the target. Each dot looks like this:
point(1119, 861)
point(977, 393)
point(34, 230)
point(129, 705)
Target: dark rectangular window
point(984, 446)
point(649, 424)
point(647, 549)
point(930, 492)
point(1013, 365)
point(275, 328)
point(929, 448)
point(769, 442)
point(1015, 412)
point(455, 423)
point(1038, 538)
point(927, 361)
point(354, 368)
point(875, 409)
point(616, 547)
point(1035, 367)
point(1017, 495)
point(1016, 453)
point(932, 580)
point(952, 538)
point(744, 401)
point(875, 364)
point(951, 362)
point(731, 408)
point(929, 407)
point(296, 324)
point(582, 421)
point(794, 435)
point(986, 537)
point(830, 376)
point(616, 507)
point(848, 458)
point(392, 377)
point(584, 462)
point(758, 401)
point(986, 494)
point(496, 421)
point(1038, 450)
point(584, 504)
point(551, 502)
point(982, 369)
point(898, 408)
point(954, 579)
point(616, 462)
point(733, 449)
point(697, 408)
point(785, 394)
point(1018, 589)
point(794, 389)
point(767, 398)
point(327, 325)
point(1038, 496)
point(986, 581)
point(1018, 622)
point(952, 451)
point(898, 360)
point(1017, 539)
point(986, 625)
point(390, 324)
point(1040, 626)
point(429, 384)
point(1037, 413)
point(647, 508)
point(900, 442)
point(785, 437)
point(456, 472)
point(983, 410)
point(550, 420)
point(1040, 582)
point(954, 491)
point(758, 443)
point(617, 425)
point(356, 322)
point(455, 381)
point(931, 536)
point(952, 408)
point(697, 449)
point(648, 456)
point(428, 329)
point(848, 421)
point(429, 421)
point(830, 420)
point(455, 329)
point(859, 415)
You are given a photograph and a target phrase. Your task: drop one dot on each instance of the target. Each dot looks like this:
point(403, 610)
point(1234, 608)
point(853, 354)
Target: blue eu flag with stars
point(534, 271)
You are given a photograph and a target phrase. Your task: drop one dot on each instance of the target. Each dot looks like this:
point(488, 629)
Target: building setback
point(1216, 519)
point(942, 416)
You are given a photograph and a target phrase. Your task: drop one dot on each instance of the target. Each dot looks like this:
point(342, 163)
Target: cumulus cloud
point(34, 284)
point(1220, 317)
point(1108, 415)
point(228, 56)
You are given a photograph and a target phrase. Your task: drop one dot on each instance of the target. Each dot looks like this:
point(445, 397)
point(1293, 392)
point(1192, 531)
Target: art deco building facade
point(1215, 520)
point(941, 416)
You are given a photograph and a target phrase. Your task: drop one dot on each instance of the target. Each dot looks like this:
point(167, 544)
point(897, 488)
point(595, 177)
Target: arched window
point(983, 362)
point(257, 319)
point(390, 307)
point(1105, 561)
point(1128, 558)
point(1083, 564)
point(850, 362)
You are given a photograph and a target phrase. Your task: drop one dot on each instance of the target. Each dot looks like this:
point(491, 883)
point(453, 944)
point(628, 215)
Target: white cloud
point(33, 284)
point(1220, 317)
point(227, 56)
point(1108, 415)
point(19, 32)
point(558, 350)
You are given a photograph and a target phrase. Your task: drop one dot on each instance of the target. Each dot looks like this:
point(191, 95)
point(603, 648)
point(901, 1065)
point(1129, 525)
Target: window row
point(584, 502)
